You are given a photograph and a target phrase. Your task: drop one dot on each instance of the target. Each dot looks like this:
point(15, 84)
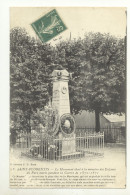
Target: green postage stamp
point(49, 26)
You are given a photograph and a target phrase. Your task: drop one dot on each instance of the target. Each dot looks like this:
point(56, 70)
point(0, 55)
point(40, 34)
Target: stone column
point(60, 101)
point(60, 98)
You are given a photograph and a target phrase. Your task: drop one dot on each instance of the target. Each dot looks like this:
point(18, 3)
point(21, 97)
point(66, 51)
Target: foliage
point(28, 76)
point(97, 63)
point(106, 77)
point(48, 118)
point(98, 66)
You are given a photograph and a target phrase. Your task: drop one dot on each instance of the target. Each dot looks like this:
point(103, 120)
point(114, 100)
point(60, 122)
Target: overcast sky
point(78, 20)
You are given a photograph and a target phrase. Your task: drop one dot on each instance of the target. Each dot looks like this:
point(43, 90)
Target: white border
point(4, 95)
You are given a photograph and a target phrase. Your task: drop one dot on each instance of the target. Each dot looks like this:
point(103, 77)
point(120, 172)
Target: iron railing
point(111, 134)
point(47, 148)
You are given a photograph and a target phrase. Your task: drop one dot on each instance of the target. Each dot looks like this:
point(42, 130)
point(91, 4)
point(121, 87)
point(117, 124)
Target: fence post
point(103, 139)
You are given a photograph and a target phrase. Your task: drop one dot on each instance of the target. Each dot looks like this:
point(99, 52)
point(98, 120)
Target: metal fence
point(114, 135)
point(111, 134)
point(40, 147)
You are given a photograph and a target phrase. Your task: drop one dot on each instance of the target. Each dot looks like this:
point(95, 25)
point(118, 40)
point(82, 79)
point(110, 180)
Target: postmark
point(49, 26)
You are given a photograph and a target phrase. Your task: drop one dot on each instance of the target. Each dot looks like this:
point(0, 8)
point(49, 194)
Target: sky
point(78, 20)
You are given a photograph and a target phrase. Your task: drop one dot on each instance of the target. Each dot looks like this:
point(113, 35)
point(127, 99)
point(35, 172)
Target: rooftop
point(115, 117)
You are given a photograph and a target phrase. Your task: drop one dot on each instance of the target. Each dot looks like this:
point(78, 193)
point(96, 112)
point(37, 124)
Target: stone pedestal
point(68, 145)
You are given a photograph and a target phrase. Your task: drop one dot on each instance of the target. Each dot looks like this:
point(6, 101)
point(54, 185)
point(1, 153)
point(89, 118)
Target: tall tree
point(97, 63)
point(105, 80)
point(28, 76)
point(98, 66)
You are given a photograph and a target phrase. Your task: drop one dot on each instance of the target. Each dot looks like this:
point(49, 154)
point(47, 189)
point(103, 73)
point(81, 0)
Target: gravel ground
point(108, 170)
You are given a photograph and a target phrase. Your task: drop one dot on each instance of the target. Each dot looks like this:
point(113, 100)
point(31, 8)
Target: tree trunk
point(29, 124)
point(29, 134)
point(97, 121)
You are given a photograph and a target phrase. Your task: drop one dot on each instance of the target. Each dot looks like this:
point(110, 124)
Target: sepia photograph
point(68, 97)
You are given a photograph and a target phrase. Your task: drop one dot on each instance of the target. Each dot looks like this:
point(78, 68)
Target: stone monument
point(60, 102)
point(60, 98)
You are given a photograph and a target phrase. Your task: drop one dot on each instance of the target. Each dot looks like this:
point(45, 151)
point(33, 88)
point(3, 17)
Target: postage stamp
point(49, 26)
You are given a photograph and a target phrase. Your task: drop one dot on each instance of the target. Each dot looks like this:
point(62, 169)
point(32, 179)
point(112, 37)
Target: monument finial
point(59, 67)
point(62, 75)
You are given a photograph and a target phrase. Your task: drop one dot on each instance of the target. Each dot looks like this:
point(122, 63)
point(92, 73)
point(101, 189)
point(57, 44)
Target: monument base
point(74, 155)
point(68, 144)
point(71, 156)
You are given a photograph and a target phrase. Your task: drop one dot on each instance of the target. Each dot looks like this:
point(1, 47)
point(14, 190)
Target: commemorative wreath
point(67, 124)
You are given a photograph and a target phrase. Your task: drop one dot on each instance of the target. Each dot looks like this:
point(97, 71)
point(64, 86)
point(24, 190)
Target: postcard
point(68, 97)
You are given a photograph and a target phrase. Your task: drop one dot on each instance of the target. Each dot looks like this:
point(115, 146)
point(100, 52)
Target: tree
point(105, 79)
point(28, 76)
point(97, 63)
point(98, 66)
